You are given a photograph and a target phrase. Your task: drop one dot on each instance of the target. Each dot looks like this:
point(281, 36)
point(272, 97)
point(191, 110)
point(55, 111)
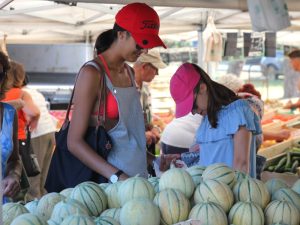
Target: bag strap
point(28, 133)
point(102, 97)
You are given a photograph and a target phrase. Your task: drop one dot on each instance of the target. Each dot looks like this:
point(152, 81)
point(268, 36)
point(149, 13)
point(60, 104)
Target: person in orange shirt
point(27, 112)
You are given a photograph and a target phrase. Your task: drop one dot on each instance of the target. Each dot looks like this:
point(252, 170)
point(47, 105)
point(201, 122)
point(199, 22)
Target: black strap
point(102, 96)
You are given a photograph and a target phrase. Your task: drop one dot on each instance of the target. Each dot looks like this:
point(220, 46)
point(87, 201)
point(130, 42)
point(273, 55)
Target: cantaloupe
point(214, 191)
point(220, 172)
point(105, 220)
point(31, 206)
point(282, 212)
point(28, 219)
point(78, 220)
point(135, 187)
point(112, 195)
point(288, 195)
point(155, 183)
point(113, 213)
point(12, 210)
point(196, 173)
point(253, 190)
point(246, 213)
point(178, 179)
point(275, 184)
point(66, 208)
point(52, 222)
point(208, 213)
point(104, 185)
point(66, 192)
point(92, 196)
point(173, 205)
point(296, 186)
point(46, 204)
point(140, 211)
point(240, 175)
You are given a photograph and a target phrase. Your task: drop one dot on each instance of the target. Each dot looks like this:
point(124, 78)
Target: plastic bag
point(268, 15)
point(213, 42)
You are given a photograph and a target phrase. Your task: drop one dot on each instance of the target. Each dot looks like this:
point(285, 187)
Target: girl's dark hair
point(6, 67)
point(218, 96)
point(105, 39)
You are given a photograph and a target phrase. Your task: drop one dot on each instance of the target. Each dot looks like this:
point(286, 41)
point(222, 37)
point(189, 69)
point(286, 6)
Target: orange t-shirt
point(13, 94)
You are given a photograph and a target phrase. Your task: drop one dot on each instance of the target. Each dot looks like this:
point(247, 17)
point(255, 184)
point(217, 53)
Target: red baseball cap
point(182, 86)
point(142, 22)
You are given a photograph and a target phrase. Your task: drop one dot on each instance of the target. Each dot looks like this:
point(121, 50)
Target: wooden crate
point(276, 149)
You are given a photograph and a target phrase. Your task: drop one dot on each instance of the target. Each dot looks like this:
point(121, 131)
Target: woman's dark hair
point(218, 96)
point(6, 66)
point(16, 75)
point(105, 39)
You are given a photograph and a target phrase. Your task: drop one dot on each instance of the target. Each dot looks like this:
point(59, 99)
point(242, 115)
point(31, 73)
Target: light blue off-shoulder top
point(216, 144)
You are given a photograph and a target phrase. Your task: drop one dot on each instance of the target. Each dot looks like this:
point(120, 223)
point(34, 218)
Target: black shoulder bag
point(65, 169)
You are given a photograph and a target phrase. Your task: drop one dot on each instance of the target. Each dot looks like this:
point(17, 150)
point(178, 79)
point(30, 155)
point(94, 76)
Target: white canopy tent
point(68, 21)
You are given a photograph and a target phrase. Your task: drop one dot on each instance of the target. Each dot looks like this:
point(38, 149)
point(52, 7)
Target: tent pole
point(200, 47)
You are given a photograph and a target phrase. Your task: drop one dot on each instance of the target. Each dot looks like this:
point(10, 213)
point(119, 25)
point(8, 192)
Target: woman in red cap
point(229, 126)
point(135, 31)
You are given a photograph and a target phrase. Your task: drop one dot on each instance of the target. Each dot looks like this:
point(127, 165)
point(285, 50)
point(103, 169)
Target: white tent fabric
point(39, 21)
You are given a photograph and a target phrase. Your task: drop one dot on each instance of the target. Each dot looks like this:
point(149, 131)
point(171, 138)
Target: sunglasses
point(138, 47)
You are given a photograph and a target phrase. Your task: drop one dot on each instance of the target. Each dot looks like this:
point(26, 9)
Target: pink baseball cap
point(182, 86)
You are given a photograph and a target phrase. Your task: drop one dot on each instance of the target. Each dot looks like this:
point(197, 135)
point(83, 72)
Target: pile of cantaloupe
point(215, 195)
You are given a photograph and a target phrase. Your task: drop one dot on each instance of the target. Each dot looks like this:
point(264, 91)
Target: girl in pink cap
point(135, 31)
point(229, 126)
